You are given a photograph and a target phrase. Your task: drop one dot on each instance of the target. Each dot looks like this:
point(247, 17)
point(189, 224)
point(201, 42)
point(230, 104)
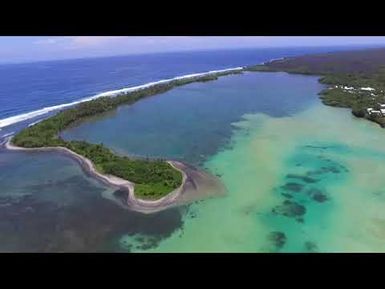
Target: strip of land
point(195, 185)
point(158, 183)
point(354, 79)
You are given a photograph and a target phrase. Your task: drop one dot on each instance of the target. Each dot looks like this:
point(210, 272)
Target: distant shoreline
point(354, 79)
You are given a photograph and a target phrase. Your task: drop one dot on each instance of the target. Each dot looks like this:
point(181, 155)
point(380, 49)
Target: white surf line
point(4, 138)
point(25, 116)
point(8, 134)
point(273, 59)
point(35, 122)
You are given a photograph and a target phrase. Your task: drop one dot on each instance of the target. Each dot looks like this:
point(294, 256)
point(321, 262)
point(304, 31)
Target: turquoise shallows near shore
point(342, 158)
point(301, 176)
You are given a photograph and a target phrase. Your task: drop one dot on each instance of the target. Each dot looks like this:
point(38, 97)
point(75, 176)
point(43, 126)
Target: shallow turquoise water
point(301, 176)
point(312, 182)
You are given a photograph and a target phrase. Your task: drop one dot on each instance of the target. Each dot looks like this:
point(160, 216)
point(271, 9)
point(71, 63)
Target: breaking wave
point(25, 116)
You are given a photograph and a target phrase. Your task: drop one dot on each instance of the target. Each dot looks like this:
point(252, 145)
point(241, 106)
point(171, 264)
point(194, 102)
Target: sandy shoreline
point(195, 184)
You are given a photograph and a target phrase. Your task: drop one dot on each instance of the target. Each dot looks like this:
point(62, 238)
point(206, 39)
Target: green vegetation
point(338, 70)
point(153, 178)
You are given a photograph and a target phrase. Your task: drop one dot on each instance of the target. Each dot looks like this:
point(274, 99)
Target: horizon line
point(379, 45)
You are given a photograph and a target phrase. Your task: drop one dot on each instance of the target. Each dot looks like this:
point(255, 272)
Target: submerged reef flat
point(278, 239)
point(290, 209)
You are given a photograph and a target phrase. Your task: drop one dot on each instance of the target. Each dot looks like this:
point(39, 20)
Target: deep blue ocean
point(31, 86)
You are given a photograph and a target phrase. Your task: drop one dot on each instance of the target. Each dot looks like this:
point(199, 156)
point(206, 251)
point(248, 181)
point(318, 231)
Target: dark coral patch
point(293, 187)
point(317, 147)
point(300, 220)
point(289, 209)
point(315, 172)
point(317, 195)
point(277, 238)
point(310, 246)
point(344, 169)
point(305, 179)
point(143, 243)
point(333, 170)
point(329, 167)
point(151, 243)
point(192, 215)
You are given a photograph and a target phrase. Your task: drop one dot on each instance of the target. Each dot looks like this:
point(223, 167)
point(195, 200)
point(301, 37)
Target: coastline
point(154, 179)
point(143, 205)
point(354, 79)
point(112, 93)
point(189, 191)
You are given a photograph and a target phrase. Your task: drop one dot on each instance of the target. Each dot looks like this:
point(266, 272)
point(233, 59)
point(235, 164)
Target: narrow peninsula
point(144, 184)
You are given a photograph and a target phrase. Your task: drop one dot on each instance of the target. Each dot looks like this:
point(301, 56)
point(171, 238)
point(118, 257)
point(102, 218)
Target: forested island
point(153, 178)
point(355, 79)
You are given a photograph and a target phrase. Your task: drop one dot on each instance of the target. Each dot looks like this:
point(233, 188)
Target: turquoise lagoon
point(301, 176)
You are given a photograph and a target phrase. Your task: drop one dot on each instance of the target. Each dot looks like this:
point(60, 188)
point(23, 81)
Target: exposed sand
point(195, 185)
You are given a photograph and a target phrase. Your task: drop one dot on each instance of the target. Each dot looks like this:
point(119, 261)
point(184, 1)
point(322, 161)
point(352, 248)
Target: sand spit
point(196, 184)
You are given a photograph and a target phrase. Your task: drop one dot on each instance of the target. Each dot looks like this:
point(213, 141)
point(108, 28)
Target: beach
point(195, 184)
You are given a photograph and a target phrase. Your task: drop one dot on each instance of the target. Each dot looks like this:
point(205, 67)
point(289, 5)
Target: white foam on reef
point(273, 59)
point(8, 134)
point(35, 122)
point(4, 138)
point(25, 116)
point(367, 88)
